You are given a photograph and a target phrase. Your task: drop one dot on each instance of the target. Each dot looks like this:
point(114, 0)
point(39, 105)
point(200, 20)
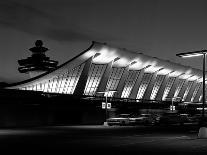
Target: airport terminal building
point(128, 79)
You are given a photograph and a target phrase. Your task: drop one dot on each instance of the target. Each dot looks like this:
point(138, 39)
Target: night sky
point(159, 28)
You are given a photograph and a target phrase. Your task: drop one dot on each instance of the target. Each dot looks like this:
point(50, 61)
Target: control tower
point(38, 63)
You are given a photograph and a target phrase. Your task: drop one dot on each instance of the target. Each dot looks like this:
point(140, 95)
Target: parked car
point(133, 119)
point(174, 118)
point(144, 119)
point(121, 119)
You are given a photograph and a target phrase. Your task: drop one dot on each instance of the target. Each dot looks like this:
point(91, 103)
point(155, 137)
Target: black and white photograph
point(103, 77)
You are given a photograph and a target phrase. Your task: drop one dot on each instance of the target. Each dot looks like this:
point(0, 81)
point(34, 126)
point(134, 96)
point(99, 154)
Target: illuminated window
point(156, 87)
point(22, 88)
point(189, 85)
point(38, 87)
point(129, 83)
point(94, 78)
point(45, 87)
point(72, 79)
point(34, 87)
point(168, 87)
point(59, 82)
point(201, 97)
point(113, 80)
point(144, 83)
point(196, 91)
point(179, 87)
point(65, 83)
point(30, 87)
point(54, 85)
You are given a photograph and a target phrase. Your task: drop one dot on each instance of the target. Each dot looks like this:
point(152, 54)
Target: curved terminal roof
point(104, 54)
point(108, 53)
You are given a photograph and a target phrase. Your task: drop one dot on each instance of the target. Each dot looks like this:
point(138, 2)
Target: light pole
point(172, 100)
point(203, 130)
point(106, 102)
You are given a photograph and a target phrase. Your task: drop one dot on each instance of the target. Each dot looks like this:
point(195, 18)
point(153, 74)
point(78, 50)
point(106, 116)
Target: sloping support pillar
point(105, 77)
point(162, 88)
point(148, 91)
point(79, 90)
point(174, 87)
point(134, 91)
point(121, 84)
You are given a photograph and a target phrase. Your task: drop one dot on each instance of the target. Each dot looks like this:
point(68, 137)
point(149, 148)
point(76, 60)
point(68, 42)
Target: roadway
point(96, 139)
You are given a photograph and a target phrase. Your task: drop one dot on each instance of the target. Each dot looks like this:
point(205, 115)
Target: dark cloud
point(36, 21)
point(15, 13)
point(73, 35)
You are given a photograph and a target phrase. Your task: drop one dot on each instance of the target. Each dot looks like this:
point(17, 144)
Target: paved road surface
point(102, 139)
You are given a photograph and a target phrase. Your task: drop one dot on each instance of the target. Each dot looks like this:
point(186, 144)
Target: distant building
point(38, 63)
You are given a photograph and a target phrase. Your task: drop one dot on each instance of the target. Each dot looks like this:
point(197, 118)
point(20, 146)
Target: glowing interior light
point(38, 87)
point(46, 86)
point(152, 63)
point(164, 71)
point(136, 66)
point(201, 80)
point(134, 62)
point(175, 74)
point(185, 76)
point(122, 62)
point(89, 54)
point(193, 78)
point(152, 69)
point(201, 108)
point(105, 56)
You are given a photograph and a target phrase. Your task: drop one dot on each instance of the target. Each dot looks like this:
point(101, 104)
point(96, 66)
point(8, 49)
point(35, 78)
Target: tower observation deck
point(38, 63)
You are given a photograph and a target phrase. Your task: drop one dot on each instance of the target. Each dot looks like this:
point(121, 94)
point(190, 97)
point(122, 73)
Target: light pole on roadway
point(203, 130)
point(106, 102)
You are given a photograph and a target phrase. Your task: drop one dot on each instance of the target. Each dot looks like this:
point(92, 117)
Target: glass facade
point(189, 85)
point(198, 86)
point(179, 87)
point(156, 87)
point(113, 80)
point(129, 83)
point(201, 97)
point(143, 86)
point(168, 87)
point(64, 83)
point(94, 78)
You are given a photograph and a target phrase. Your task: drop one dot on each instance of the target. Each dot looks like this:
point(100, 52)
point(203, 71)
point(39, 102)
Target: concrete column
point(162, 88)
point(173, 89)
point(134, 91)
point(104, 79)
point(148, 91)
point(79, 89)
